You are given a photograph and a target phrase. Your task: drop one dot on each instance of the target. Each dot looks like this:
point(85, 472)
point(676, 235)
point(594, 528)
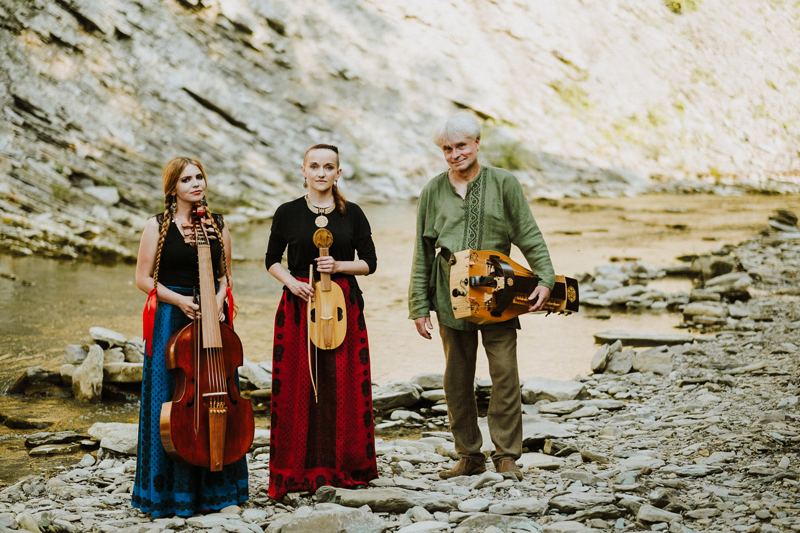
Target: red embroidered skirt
point(332, 441)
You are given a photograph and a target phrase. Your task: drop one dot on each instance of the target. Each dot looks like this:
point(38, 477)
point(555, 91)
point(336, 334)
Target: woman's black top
point(293, 226)
point(178, 264)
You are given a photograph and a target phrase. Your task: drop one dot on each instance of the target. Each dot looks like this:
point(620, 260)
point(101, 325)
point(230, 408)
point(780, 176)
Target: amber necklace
point(321, 221)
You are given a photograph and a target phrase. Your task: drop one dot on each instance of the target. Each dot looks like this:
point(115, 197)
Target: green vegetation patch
point(682, 6)
point(572, 94)
point(502, 152)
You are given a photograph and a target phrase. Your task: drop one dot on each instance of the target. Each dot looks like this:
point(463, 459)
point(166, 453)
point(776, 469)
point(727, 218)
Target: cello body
point(207, 423)
point(185, 436)
point(488, 286)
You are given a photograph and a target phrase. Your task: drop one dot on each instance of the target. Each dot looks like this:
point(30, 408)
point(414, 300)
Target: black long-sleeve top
point(293, 226)
point(178, 262)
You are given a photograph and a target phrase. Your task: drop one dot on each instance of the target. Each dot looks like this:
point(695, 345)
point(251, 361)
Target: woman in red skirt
point(328, 439)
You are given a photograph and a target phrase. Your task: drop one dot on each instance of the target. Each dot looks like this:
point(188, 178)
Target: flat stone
point(716, 457)
point(397, 393)
point(733, 280)
point(60, 437)
point(570, 503)
point(541, 461)
point(260, 438)
point(649, 513)
point(583, 412)
point(134, 350)
point(710, 309)
point(208, 521)
point(107, 336)
point(434, 395)
point(15, 422)
point(565, 526)
point(411, 484)
point(703, 513)
point(387, 500)
point(586, 478)
point(116, 436)
point(639, 338)
point(123, 372)
point(518, 506)
point(75, 354)
point(653, 359)
point(337, 519)
point(419, 527)
point(428, 381)
point(474, 505)
point(622, 295)
point(256, 375)
point(610, 405)
point(479, 523)
point(536, 389)
point(600, 358)
point(55, 449)
point(694, 470)
point(560, 408)
point(113, 355)
point(402, 414)
point(638, 462)
point(621, 362)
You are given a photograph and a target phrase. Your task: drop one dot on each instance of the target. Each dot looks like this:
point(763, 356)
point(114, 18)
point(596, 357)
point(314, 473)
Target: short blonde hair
point(456, 126)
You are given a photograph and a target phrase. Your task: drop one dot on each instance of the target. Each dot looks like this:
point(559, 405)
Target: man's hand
point(423, 324)
point(538, 298)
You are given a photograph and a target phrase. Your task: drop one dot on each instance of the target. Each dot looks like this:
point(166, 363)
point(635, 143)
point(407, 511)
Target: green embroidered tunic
point(493, 215)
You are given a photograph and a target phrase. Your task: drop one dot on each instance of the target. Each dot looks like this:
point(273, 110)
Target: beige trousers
point(505, 407)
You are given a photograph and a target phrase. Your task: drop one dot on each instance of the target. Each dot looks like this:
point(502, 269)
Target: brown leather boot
point(508, 465)
point(465, 467)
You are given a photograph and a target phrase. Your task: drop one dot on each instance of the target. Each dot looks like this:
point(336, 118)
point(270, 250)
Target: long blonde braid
point(162, 234)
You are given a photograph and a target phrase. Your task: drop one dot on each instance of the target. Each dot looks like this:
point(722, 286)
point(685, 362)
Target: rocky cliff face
point(581, 97)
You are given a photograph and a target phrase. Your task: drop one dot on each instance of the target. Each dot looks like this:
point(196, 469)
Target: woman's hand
point(327, 264)
point(301, 290)
point(187, 305)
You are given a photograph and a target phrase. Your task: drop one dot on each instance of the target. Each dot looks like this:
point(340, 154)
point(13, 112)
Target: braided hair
point(170, 176)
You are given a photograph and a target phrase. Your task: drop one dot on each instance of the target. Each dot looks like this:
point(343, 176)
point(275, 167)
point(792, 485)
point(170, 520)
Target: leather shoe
point(465, 467)
point(508, 465)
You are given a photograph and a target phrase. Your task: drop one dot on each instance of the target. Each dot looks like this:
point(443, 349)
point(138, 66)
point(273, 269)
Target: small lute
point(327, 319)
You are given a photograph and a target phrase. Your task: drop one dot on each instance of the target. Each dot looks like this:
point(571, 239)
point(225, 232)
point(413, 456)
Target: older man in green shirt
point(481, 208)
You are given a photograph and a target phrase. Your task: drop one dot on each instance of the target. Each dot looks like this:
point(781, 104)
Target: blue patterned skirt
point(162, 486)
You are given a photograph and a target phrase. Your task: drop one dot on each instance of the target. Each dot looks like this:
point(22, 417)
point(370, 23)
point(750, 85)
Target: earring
point(173, 207)
point(305, 183)
point(335, 183)
point(204, 201)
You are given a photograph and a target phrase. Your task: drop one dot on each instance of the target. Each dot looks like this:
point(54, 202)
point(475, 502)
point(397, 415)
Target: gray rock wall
point(96, 96)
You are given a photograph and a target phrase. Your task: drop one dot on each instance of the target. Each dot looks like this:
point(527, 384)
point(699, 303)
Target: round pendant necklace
point(321, 221)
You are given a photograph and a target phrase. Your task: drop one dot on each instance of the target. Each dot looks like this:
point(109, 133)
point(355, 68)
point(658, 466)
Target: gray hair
point(456, 126)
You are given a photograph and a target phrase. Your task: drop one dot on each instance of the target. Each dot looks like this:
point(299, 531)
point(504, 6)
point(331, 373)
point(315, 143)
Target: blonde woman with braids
point(167, 270)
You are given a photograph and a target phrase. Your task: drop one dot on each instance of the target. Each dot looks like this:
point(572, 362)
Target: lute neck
point(324, 277)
